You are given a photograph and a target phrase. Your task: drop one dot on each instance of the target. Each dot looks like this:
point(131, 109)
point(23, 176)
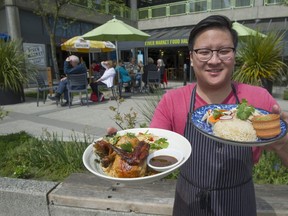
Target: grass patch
point(48, 158)
point(23, 156)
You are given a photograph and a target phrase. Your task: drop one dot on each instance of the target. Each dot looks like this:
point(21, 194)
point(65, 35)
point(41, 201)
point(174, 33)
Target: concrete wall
point(24, 197)
point(236, 14)
point(87, 195)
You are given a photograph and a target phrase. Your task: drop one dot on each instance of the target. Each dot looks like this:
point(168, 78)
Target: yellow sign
point(166, 42)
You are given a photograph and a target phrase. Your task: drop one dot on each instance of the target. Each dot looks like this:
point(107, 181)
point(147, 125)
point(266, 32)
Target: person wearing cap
point(72, 65)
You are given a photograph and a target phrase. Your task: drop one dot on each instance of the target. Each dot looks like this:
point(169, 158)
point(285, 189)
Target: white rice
point(235, 129)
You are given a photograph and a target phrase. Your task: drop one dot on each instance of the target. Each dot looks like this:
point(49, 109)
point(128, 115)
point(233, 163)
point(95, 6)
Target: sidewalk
point(85, 194)
point(92, 120)
point(78, 120)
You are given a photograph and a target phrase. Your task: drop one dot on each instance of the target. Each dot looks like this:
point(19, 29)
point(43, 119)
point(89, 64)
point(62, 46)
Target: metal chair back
point(42, 87)
point(77, 83)
point(153, 77)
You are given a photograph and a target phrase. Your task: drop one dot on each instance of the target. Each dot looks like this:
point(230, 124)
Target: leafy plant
point(3, 113)
point(269, 170)
point(46, 158)
point(15, 70)
point(151, 101)
point(125, 120)
point(260, 59)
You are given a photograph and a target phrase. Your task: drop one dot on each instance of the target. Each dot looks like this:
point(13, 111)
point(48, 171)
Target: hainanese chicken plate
point(223, 131)
point(95, 163)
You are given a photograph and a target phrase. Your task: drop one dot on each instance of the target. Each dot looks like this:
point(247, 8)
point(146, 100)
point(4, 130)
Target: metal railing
point(273, 2)
point(171, 9)
point(196, 6)
point(106, 7)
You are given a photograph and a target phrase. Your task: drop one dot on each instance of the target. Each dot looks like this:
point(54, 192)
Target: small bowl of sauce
point(164, 159)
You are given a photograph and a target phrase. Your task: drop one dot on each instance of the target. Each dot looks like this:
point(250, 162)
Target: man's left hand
point(280, 146)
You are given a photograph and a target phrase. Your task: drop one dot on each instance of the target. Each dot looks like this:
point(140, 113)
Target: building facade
point(168, 22)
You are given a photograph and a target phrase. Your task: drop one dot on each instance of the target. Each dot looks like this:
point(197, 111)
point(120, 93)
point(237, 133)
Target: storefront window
point(177, 9)
point(242, 3)
point(198, 6)
point(159, 12)
point(220, 4)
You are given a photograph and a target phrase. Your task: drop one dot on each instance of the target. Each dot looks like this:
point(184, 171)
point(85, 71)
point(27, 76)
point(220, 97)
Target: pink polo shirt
point(171, 112)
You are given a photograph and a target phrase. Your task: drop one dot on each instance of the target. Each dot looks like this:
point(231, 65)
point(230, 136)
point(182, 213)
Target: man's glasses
point(204, 54)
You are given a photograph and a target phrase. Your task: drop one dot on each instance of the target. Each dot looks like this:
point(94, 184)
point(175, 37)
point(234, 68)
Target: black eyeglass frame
point(212, 51)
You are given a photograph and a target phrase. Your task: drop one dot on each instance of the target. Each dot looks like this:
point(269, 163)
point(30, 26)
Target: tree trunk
point(54, 58)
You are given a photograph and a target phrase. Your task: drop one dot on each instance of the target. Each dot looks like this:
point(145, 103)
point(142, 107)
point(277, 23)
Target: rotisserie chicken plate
point(123, 157)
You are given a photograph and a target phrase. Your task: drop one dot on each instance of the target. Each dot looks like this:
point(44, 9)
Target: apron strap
point(193, 96)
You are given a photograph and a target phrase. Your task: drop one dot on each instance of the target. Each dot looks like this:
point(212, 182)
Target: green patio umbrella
point(243, 31)
point(116, 30)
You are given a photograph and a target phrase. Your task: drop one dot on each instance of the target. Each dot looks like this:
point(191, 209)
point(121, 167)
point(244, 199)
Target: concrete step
point(86, 191)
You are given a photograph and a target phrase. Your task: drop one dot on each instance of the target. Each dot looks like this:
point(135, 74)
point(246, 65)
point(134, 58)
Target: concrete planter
point(8, 96)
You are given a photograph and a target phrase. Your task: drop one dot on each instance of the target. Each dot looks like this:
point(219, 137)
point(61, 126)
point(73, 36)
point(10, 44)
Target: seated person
point(106, 79)
point(95, 69)
point(138, 76)
point(72, 65)
point(123, 75)
point(133, 69)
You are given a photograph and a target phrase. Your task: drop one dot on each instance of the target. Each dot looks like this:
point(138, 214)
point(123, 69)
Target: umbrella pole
point(116, 43)
point(89, 68)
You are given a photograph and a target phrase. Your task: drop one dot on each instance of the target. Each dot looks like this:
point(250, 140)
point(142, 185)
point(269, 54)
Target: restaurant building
point(169, 23)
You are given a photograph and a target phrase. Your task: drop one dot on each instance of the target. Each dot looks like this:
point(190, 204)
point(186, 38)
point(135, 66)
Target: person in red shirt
point(217, 177)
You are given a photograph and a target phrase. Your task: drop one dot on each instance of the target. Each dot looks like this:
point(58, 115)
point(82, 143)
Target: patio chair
point(153, 80)
point(42, 87)
point(77, 83)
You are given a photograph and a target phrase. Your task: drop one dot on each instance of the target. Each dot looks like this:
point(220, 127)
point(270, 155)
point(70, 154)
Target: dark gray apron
point(216, 179)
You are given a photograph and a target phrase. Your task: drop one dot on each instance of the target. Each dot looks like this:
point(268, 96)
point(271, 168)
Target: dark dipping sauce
point(163, 160)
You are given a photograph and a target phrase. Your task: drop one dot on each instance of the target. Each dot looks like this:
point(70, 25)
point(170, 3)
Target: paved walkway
point(64, 122)
point(93, 196)
point(78, 120)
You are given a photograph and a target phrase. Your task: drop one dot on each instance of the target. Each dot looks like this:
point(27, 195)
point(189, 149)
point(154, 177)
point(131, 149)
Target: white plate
point(175, 141)
point(206, 129)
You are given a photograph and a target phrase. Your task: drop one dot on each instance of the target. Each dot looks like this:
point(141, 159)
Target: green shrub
point(15, 69)
point(269, 170)
point(285, 95)
point(260, 59)
point(3, 113)
point(23, 156)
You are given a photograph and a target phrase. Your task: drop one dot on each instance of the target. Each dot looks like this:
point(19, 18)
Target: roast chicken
point(119, 163)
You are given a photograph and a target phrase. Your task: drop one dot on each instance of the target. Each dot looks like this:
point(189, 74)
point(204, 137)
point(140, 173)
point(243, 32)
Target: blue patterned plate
point(206, 129)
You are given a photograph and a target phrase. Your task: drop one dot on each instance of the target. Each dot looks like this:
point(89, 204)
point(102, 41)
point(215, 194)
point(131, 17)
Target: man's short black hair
point(209, 22)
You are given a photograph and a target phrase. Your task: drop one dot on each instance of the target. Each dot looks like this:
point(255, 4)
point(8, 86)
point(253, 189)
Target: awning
point(168, 37)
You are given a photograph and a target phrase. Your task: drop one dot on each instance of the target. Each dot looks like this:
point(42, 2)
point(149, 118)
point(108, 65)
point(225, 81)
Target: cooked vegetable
point(159, 144)
point(217, 113)
point(244, 111)
point(212, 119)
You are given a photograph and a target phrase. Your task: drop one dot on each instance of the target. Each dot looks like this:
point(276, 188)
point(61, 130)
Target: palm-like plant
point(259, 59)
point(15, 70)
